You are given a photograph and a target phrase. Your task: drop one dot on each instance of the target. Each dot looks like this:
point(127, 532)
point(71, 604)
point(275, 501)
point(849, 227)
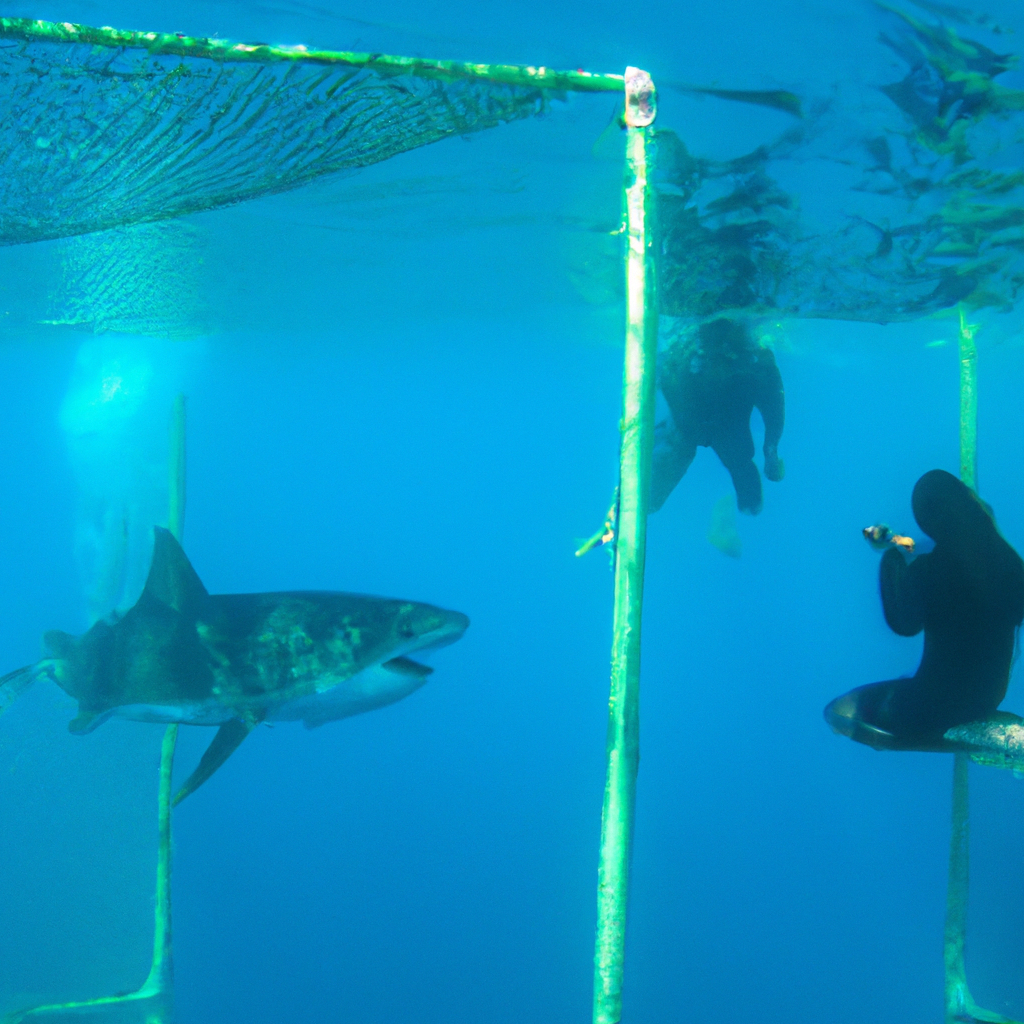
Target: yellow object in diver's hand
point(881, 537)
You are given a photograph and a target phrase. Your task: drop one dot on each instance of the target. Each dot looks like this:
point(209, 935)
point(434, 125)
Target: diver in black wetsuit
point(968, 597)
point(712, 383)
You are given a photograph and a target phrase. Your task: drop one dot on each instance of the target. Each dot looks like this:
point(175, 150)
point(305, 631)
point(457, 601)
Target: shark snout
point(445, 629)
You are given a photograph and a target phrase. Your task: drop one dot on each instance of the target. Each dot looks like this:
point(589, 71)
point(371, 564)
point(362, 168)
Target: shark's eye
point(407, 632)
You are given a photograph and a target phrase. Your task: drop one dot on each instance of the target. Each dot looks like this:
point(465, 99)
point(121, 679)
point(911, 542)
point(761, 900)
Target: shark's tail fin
point(14, 684)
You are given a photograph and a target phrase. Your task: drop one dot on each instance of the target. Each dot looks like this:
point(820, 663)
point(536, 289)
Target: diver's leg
point(735, 447)
point(670, 460)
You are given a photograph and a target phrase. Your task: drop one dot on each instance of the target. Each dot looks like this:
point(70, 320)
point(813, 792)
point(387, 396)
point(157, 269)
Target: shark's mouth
point(451, 631)
point(407, 667)
point(379, 684)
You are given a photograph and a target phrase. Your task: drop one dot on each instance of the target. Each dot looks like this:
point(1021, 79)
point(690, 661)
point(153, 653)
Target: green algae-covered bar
point(177, 45)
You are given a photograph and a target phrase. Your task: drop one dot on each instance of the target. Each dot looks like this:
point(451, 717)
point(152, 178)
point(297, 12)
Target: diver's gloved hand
point(880, 537)
point(774, 467)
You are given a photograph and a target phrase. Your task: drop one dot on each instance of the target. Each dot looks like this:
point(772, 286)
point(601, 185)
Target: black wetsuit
point(712, 383)
point(968, 597)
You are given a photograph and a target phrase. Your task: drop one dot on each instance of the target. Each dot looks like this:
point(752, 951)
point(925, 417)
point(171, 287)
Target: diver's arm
point(771, 399)
point(900, 584)
point(771, 403)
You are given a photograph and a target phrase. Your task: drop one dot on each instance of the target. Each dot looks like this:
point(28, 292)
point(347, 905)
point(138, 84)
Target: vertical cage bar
point(637, 438)
point(153, 1003)
point(958, 997)
point(161, 973)
point(968, 405)
point(960, 1005)
point(176, 470)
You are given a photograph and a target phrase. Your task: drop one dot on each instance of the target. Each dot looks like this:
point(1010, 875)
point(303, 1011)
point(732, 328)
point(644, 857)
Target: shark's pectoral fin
point(407, 667)
point(14, 684)
point(228, 739)
point(85, 721)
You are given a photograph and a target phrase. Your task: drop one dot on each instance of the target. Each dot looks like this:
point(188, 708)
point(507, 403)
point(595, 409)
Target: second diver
point(967, 594)
point(712, 382)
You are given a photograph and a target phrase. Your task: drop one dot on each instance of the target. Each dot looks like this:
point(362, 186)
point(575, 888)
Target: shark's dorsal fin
point(172, 580)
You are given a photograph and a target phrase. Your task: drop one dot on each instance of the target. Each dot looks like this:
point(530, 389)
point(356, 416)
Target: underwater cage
point(122, 133)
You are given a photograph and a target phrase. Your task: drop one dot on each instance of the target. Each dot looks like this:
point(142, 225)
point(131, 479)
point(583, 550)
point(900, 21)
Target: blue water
point(407, 396)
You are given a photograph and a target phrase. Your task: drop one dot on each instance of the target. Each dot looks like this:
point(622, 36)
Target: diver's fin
point(14, 684)
point(407, 667)
point(172, 580)
point(228, 739)
point(723, 531)
point(60, 644)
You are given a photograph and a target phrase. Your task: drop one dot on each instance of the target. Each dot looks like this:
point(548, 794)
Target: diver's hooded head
point(949, 511)
point(724, 337)
point(985, 566)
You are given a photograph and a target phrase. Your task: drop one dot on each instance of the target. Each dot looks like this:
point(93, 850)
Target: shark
point(233, 661)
